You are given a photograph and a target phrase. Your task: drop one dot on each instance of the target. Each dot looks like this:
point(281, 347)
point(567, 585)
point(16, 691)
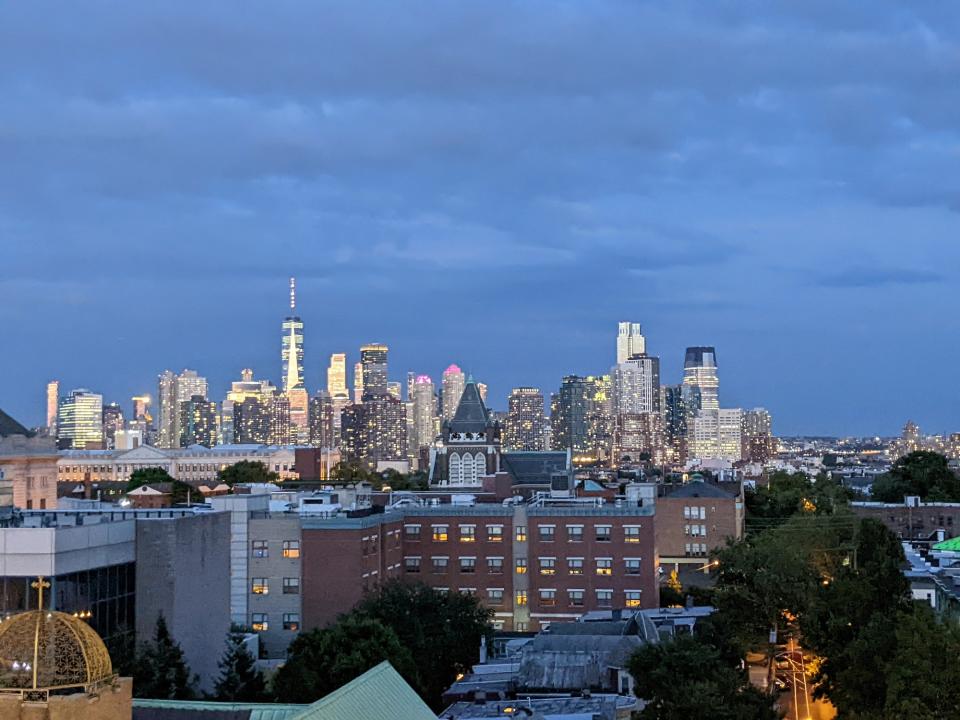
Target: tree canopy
point(148, 476)
point(246, 471)
point(240, 680)
point(922, 473)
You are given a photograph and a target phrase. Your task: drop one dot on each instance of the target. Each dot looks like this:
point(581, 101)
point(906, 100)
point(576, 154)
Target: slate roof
point(9, 426)
point(574, 662)
point(534, 467)
point(697, 490)
point(471, 415)
point(379, 694)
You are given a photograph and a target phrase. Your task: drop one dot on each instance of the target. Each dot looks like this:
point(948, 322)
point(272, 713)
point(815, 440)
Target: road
point(798, 701)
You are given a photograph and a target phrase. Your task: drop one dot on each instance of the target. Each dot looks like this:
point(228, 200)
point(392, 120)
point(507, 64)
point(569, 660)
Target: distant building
point(53, 403)
point(375, 431)
point(112, 421)
point(173, 389)
point(630, 341)
point(28, 469)
point(424, 412)
point(80, 420)
point(291, 353)
point(453, 382)
point(638, 437)
point(579, 417)
point(700, 371)
point(696, 518)
point(262, 391)
point(322, 429)
point(199, 422)
point(759, 444)
point(373, 366)
point(470, 443)
point(525, 417)
point(717, 434)
point(675, 417)
point(358, 383)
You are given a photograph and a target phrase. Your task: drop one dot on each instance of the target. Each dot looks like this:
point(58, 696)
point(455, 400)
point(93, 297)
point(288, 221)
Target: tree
point(671, 592)
point(353, 472)
point(786, 495)
point(240, 680)
point(688, 679)
point(148, 476)
point(923, 473)
point(441, 630)
point(161, 671)
point(322, 660)
point(246, 471)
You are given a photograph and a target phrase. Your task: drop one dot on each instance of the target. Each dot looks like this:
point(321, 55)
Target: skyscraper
point(571, 415)
point(675, 421)
point(525, 415)
point(321, 420)
point(358, 383)
point(636, 385)
point(112, 420)
point(717, 434)
point(630, 341)
point(373, 362)
point(700, 371)
point(53, 403)
point(80, 421)
point(199, 422)
point(257, 430)
point(424, 412)
point(375, 431)
point(337, 375)
point(395, 389)
point(172, 390)
point(291, 354)
point(757, 436)
point(453, 383)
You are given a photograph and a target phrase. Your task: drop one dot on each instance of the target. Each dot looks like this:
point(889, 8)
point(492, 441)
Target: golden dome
point(42, 651)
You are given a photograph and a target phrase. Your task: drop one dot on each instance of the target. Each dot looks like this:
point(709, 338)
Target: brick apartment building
point(695, 518)
point(530, 563)
point(914, 520)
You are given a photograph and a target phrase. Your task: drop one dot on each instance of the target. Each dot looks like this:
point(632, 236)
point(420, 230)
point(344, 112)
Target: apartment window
point(575, 597)
point(291, 548)
point(521, 533)
point(468, 565)
point(291, 586)
point(442, 590)
point(575, 566)
point(548, 598)
point(411, 532)
point(468, 591)
point(260, 622)
point(260, 586)
point(495, 565)
point(632, 565)
point(495, 533)
point(631, 533)
point(440, 533)
point(440, 564)
point(411, 564)
point(521, 598)
point(521, 566)
point(602, 533)
point(468, 533)
point(547, 533)
point(495, 596)
point(575, 533)
point(604, 566)
point(548, 566)
point(291, 621)
point(632, 598)
point(604, 598)
point(260, 549)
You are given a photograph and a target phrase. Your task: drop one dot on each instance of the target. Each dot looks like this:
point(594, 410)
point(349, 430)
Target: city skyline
point(787, 194)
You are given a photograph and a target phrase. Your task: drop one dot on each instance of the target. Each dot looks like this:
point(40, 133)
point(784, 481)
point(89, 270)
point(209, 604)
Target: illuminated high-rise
point(113, 422)
point(173, 389)
point(199, 422)
point(53, 403)
point(373, 366)
point(424, 412)
point(80, 421)
point(700, 371)
point(337, 375)
point(523, 429)
point(636, 385)
point(759, 444)
point(394, 389)
point(261, 392)
point(630, 341)
point(453, 383)
point(291, 355)
point(358, 383)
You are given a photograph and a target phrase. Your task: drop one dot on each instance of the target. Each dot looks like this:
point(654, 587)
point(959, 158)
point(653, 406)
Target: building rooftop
point(698, 489)
point(471, 415)
point(601, 707)
point(534, 467)
point(144, 709)
point(9, 426)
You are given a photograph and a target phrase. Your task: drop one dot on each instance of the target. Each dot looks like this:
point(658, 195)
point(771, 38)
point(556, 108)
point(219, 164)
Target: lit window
point(632, 598)
point(602, 533)
point(495, 596)
point(468, 565)
point(411, 564)
point(548, 598)
point(291, 586)
point(521, 533)
point(291, 548)
point(548, 566)
point(633, 566)
point(521, 598)
point(291, 621)
point(260, 586)
point(576, 597)
point(521, 566)
point(440, 533)
point(604, 566)
point(575, 566)
point(494, 533)
point(260, 549)
point(468, 533)
point(494, 565)
point(631, 533)
point(547, 533)
point(575, 533)
point(259, 622)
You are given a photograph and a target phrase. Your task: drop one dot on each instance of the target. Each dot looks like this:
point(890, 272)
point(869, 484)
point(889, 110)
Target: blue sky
point(492, 184)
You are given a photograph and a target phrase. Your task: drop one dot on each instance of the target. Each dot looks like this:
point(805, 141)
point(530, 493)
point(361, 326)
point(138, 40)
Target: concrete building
point(717, 435)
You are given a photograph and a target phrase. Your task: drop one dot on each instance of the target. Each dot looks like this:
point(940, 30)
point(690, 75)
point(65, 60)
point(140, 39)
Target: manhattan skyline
point(494, 187)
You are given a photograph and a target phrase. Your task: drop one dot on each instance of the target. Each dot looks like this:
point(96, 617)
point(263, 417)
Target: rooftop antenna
point(293, 293)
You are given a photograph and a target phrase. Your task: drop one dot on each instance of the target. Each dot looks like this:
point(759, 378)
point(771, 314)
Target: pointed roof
point(9, 426)
point(379, 694)
point(471, 415)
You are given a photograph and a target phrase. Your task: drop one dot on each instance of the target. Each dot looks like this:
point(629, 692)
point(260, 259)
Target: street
point(797, 701)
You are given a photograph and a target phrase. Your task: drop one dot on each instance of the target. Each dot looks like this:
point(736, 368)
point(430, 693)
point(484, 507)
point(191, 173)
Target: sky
point(491, 184)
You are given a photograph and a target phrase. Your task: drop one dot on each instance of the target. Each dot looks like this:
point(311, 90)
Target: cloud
point(873, 277)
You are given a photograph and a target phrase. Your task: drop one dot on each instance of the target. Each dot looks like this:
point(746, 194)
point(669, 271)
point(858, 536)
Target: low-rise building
point(695, 518)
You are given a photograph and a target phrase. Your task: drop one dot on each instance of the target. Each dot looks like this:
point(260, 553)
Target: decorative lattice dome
point(45, 650)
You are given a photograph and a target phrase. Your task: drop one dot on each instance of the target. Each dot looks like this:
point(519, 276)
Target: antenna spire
point(293, 293)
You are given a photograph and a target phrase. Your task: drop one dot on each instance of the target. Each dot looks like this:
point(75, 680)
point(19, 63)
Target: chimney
point(483, 650)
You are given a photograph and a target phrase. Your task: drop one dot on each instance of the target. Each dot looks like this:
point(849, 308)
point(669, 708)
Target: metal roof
point(951, 545)
point(144, 709)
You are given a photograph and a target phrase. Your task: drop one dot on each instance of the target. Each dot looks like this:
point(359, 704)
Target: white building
point(630, 341)
point(717, 435)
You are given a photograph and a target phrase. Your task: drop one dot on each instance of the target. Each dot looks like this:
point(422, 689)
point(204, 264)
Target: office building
point(172, 390)
point(424, 412)
point(638, 437)
point(374, 432)
point(758, 441)
point(523, 429)
point(395, 389)
point(337, 375)
point(636, 385)
point(482, 389)
point(358, 383)
point(373, 367)
point(453, 383)
point(247, 387)
point(717, 435)
point(630, 341)
point(113, 422)
point(578, 417)
point(53, 404)
point(700, 371)
point(80, 420)
point(141, 419)
point(322, 429)
point(675, 416)
point(199, 422)
point(298, 400)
